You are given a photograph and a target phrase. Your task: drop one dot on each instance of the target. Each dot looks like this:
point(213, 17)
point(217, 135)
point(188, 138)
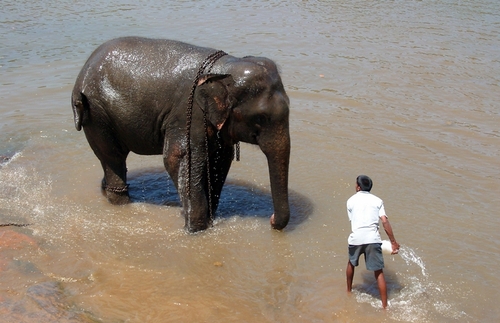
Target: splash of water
point(421, 296)
point(410, 256)
point(409, 295)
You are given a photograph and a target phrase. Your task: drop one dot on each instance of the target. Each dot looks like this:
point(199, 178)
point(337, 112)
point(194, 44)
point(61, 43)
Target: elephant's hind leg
point(113, 161)
point(114, 184)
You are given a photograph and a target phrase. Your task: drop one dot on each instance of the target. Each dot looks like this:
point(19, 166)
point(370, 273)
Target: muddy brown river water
point(403, 91)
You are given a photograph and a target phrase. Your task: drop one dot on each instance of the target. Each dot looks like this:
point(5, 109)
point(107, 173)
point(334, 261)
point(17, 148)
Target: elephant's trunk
point(278, 158)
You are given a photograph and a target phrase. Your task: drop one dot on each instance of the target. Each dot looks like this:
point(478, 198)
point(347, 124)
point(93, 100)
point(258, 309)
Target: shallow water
point(404, 91)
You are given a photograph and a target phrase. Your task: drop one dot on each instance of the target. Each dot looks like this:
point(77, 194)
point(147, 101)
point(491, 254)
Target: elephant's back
point(133, 70)
point(123, 62)
point(153, 56)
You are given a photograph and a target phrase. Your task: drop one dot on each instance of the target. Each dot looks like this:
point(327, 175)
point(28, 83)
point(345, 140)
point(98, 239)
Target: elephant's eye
point(261, 120)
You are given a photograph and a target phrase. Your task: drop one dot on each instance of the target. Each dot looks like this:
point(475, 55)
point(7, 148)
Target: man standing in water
point(365, 210)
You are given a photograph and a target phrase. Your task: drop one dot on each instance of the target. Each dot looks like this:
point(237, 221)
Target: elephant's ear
point(215, 92)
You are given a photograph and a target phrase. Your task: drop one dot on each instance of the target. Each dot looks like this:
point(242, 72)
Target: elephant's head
point(250, 105)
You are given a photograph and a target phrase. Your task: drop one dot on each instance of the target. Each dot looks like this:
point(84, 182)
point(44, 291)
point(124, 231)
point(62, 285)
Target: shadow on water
point(370, 287)
point(238, 198)
point(152, 186)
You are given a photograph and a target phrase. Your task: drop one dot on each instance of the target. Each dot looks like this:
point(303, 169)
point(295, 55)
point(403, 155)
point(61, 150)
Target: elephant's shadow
point(154, 186)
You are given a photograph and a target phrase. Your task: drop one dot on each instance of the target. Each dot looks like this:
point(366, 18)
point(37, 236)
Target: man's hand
point(388, 229)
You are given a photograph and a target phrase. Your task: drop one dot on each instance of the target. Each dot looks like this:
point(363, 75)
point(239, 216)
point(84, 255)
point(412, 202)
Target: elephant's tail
point(80, 105)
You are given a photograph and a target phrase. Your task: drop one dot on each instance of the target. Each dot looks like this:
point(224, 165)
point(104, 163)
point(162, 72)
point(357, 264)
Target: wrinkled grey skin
point(132, 96)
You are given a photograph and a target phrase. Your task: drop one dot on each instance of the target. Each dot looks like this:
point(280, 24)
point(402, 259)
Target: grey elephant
point(191, 104)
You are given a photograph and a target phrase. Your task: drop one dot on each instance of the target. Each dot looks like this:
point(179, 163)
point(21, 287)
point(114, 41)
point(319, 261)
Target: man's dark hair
point(364, 182)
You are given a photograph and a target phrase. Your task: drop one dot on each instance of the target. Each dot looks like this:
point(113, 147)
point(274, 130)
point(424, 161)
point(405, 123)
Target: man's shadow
point(154, 186)
point(370, 287)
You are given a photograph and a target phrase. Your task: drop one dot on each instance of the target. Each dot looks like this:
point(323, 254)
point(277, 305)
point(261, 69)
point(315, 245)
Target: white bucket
point(386, 247)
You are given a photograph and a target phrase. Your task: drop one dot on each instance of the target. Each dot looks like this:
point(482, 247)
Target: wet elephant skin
point(133, 95)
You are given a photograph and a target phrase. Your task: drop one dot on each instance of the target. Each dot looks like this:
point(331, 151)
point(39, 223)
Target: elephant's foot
point(116, 195)
point(275, 226)
point(118, 198)
point(195, 229)
point(196, 226)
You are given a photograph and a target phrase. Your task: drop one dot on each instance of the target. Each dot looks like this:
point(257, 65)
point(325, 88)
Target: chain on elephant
point(205, 66)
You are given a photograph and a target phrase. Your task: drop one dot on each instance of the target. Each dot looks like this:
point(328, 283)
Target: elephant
point(192, 105)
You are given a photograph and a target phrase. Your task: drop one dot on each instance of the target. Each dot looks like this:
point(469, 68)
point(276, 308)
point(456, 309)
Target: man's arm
point(388, 229)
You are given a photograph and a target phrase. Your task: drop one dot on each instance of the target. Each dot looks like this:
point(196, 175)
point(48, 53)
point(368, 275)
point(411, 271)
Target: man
point(365, 210)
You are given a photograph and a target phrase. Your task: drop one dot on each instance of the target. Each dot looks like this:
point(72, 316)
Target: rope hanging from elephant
point(207, 157)
point(206, 65)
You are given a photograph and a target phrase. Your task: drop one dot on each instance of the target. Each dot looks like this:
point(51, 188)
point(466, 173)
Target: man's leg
point(382, 286)
point(349, 275)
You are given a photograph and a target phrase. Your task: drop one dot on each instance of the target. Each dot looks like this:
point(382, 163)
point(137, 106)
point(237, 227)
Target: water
point(404, 91)
point(410, 256)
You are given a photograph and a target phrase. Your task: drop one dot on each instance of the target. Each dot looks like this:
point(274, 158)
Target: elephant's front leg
point(220, 163)
point(208, 174)
point(191, 186)
point(194, 195)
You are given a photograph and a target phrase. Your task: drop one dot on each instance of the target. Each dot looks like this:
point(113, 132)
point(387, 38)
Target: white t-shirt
point(364, 210)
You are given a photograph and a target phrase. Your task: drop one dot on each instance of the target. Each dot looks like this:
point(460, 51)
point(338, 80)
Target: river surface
point(404, 91)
